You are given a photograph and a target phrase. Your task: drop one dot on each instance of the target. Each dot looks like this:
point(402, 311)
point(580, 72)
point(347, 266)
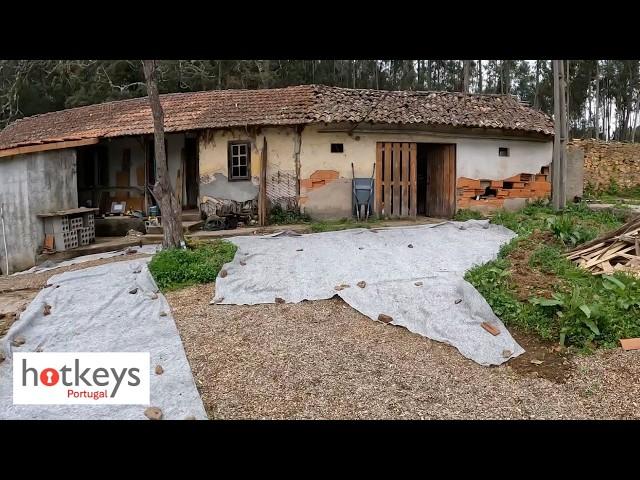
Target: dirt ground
point(16, 292)
point(324, 360)
point(530, 282)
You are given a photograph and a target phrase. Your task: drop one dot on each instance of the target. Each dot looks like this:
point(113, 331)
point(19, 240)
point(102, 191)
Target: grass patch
point(343, 224)
point(465, 214)
point(577, 216)
point(200, 262)
point(533, 286)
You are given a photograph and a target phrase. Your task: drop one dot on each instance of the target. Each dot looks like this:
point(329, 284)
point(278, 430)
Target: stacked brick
point(609, 162)
point(492, 193)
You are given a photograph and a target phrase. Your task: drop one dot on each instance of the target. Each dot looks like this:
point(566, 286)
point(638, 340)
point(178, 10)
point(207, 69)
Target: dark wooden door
point(191, 172)
point(441, 181)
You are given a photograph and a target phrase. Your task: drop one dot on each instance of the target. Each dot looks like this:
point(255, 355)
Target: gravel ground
point(324, 360)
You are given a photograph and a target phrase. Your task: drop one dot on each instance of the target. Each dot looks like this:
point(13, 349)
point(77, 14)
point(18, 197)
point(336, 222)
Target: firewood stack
point(617, 251)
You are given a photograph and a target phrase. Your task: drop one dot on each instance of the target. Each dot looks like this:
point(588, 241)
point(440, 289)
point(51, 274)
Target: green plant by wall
point(280, 216)
point(465, 214)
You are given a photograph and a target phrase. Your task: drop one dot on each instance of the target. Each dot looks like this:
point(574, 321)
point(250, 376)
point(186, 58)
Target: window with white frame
point(239, 154)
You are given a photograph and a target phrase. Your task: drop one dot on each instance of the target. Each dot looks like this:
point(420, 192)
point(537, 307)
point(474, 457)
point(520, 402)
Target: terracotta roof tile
point(279, 106)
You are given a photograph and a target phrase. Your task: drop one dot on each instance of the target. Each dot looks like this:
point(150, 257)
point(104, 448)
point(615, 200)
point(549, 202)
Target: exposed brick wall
point(490, 194)
point(606, 161)
point(318, 179)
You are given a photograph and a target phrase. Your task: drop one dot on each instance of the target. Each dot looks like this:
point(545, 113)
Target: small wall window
point(239, 155)
point(503, 152)
point(337, 148)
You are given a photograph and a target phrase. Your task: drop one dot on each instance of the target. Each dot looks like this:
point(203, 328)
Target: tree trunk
point(536, 93)
point(635, 121)
point(466, 75)
point(170, 209)
point(354, 73)
point(375, 66)
point(567, 105)
point(479, 76)
point(429, 84)
point(596, 119)
point(609, 109)
point(627, 117)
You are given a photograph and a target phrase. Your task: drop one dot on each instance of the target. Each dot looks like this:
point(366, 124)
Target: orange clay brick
point(541, 186)
point(324, 175)
point(630, 343)
point(464, 182)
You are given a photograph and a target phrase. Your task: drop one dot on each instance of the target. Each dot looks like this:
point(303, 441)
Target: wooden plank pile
point(614, 252)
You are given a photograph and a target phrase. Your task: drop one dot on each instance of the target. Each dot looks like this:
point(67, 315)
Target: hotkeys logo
point(81, 378)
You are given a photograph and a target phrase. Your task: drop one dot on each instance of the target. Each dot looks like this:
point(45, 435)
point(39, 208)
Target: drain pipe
point(4, 238)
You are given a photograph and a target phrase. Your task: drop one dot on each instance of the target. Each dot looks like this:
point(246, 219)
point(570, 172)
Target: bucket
point(154, 211)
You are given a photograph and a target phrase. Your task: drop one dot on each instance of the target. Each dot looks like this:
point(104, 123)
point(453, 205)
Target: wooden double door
point(415, 179)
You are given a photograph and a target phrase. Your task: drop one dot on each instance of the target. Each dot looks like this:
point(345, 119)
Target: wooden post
point(297, 145)
point(564, 137)
point(558, 166)
point(262, 198)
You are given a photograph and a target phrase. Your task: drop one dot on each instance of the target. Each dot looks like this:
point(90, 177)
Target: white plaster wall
point(214, 161)
point(476, 157)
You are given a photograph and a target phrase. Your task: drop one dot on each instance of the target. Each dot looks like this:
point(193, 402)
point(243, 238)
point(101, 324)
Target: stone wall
point(607, 161)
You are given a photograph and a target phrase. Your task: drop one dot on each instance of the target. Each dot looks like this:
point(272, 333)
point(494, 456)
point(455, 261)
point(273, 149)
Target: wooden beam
point(262, 197)
point(378, 181)
point(47, 146)
point(413, 165)
point(397, 182)
point(387, 180)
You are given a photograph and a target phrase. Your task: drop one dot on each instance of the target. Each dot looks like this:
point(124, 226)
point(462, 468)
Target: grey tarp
point(391, 261)
point(93, 311)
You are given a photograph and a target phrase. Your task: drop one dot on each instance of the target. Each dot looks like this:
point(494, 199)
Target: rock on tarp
point(420, 288)
point(93, 311)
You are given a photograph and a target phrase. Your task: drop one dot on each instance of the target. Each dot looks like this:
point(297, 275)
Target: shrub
point(613, 188)
point(200, 263)
point(566, 230)
point(280, 216)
